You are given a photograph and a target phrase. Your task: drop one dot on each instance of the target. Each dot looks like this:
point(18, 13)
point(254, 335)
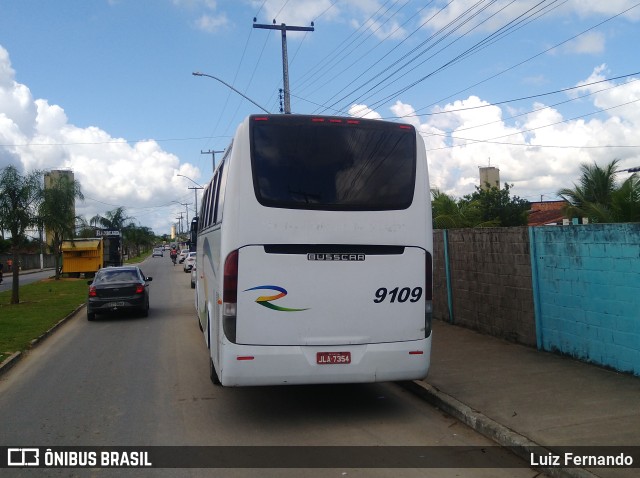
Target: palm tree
point(57, 213)
point(447, 212)
point(19, 196)
point(599, 198)
point(114, 219)
point(138, 238)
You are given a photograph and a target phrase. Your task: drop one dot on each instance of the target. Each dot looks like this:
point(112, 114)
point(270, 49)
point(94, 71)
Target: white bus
point(314, 253)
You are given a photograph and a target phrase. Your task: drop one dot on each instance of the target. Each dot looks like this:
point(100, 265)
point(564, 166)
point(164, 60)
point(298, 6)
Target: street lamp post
point(198, 73)
point(195, 193)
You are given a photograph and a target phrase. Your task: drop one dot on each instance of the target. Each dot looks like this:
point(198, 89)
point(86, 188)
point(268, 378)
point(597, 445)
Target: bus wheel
point(213, 374)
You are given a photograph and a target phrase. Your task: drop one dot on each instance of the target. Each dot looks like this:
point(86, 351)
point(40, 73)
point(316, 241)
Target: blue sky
point(104, 87)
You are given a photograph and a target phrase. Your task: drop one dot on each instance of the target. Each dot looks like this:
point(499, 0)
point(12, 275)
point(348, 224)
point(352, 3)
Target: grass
point(42, 305)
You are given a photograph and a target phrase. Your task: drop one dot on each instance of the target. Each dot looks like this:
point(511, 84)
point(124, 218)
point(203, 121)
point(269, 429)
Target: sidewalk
point(518, 395)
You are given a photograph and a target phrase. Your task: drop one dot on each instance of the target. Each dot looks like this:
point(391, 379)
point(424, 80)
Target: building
point(547, 213)
point(489, 177)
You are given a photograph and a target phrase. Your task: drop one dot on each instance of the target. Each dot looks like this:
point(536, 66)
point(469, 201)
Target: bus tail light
point(230, 296)
point(428, 294)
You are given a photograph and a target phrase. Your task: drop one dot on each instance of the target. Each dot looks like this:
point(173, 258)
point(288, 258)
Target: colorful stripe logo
point(265, 300)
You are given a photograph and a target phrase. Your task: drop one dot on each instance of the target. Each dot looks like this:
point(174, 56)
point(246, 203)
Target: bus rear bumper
point(296, 365)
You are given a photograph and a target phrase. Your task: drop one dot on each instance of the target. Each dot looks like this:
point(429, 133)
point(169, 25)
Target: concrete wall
point(577, 293)
point(490, 278)
point(29, 261)
point(588, 292)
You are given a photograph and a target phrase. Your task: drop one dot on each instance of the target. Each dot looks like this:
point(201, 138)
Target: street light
point(195, 193)
point(197, 73)
point(183, 176)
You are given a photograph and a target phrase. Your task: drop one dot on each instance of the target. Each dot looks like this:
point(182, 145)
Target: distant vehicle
point(193, 276)
point(118, 288)
point(158, 252)
point(183, 255)
point(189, 261)
point(314, 253)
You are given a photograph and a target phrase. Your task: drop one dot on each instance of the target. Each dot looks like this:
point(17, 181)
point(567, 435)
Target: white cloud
point(37, 135)
point(212, 23)
point(588, 43)
point(539, 155)
point(363, 111)
point(502, 13)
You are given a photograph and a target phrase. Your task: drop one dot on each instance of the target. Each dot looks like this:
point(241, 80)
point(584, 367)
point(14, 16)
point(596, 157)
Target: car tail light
point(92, 291)
point(230, 295)
point(139, 289)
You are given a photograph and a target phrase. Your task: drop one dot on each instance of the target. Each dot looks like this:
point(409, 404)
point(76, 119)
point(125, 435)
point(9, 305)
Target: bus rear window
point(302, 162)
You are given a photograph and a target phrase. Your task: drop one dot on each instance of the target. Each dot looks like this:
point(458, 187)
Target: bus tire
point(213, 374)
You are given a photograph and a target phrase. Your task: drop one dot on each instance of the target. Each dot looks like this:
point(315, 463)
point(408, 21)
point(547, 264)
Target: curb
point(516, 443)
point(8, 363)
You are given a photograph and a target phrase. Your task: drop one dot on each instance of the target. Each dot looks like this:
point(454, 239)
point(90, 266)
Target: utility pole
point(195, 198)
point(213, 157)
point(285, 61)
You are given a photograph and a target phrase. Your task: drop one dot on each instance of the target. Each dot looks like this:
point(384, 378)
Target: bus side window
point(205, 207)
point(216, 215)
point(220, 195)
point(211, 199)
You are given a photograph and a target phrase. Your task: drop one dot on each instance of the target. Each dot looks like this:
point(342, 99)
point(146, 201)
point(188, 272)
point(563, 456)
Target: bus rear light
point(230, 280)
point(416, 352)
point(428, 294)
point(230, 295)
point(245, 357)
point(261, 118)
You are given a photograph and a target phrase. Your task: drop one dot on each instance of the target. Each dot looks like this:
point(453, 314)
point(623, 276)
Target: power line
point(413, 84)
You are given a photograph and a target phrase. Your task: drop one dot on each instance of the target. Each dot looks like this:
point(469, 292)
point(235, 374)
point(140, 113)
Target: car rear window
point(303, 162)
point(117, 276)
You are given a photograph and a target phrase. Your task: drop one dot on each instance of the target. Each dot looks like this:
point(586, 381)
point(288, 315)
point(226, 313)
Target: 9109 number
point(398, 295)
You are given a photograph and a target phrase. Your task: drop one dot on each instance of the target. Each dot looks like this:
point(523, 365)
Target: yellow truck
point(82, 256)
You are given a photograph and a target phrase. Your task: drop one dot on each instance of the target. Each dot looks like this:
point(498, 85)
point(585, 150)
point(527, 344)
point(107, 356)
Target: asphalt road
point(25, 278)
point(131, 381)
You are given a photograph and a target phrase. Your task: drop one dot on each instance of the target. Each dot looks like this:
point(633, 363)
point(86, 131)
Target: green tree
point(599, 197)
point(497, 207)
point(19, 197)
point(448, 213)
point(57, 213)
point(114, 219)
point(138, 238)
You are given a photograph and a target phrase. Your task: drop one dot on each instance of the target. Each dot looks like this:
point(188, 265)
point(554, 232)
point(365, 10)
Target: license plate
point(332, 358)
point(113, 305)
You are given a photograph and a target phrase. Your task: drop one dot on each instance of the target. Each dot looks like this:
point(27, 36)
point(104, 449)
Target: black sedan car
point(118, 288)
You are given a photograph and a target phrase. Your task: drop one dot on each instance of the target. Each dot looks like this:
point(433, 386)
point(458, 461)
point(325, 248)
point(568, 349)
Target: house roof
point(546, 212)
